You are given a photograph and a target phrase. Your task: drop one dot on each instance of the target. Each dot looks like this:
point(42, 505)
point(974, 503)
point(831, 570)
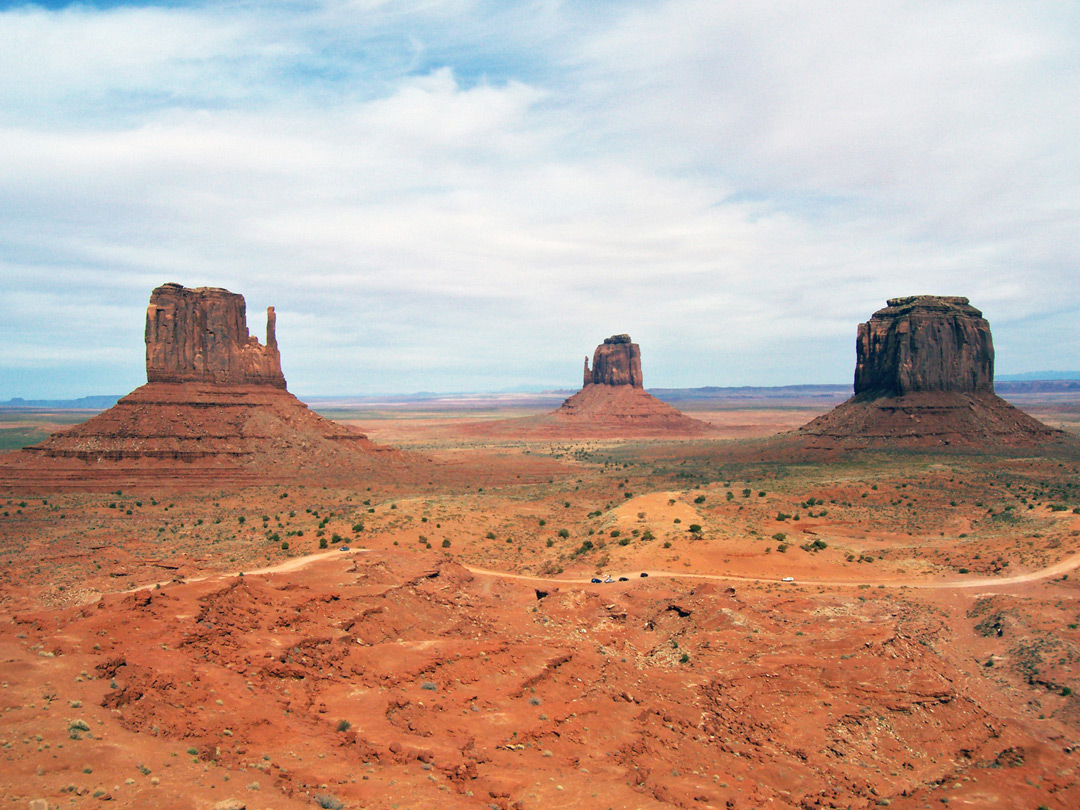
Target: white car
point(788, 579)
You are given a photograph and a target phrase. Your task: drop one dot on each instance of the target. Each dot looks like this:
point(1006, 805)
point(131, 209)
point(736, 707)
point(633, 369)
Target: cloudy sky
point(462, 195)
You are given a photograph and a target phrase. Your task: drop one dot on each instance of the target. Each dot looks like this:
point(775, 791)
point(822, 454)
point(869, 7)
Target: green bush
point(699, 499)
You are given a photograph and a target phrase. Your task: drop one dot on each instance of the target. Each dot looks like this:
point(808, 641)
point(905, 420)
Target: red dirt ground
point(926, 653)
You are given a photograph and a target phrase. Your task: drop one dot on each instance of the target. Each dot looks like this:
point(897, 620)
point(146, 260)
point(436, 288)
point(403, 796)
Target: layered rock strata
point(924, 376)
point(215, 408)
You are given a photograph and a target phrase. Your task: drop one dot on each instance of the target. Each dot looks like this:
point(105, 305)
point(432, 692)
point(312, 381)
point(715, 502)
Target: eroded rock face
point(924, 378)
point(616, 361)
point(924, 343)
point(201, 335)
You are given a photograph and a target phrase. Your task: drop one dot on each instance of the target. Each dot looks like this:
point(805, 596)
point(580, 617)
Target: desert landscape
point(213, 597)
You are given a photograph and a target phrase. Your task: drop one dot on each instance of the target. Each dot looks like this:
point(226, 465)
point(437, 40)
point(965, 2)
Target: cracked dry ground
point(383, 681)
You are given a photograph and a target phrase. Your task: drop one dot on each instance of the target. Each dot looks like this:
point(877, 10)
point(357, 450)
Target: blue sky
point(462, 195)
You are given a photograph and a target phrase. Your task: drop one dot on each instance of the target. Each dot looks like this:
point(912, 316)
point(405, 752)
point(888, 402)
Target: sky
point(470, 195)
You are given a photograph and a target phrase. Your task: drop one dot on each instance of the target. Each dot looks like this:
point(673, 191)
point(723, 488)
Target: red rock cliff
point(616, 361)
point(924, 343)
point(201, 335)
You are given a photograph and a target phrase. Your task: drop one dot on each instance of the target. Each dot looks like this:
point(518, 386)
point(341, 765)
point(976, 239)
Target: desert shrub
point(695, 528)
point(343, 725)
point(615, 532)
point(543, 522)
point(782, 548)
point(336, 538)
point(550, 542)
point(648, 535)
point(625, 541)
point(284, 545)
point(730, 495)
point(491, 535)
point(746, 493)
point(699, 499)
point(564, 533)
point(780, 537)
point(322, 542)
point(357, 528)
point(429, 686)
point(446, 542)
point(783, 516)
point(585, 547)
point(328, 802)
point(667, 544)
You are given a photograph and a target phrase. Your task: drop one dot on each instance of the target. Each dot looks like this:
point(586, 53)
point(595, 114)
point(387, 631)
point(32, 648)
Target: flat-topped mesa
point(616, 361)
point(201, 335)
point(924, 343)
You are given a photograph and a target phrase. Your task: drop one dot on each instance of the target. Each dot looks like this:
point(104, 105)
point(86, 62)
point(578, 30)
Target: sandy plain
point(182, 649)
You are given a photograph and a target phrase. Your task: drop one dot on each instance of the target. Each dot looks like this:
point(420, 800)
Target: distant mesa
point(215, 410)
point(616, 361)
point(924, 376)
point(613, 400)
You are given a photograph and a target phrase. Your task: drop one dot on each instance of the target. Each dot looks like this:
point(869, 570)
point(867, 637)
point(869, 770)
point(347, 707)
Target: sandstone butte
point(613, 400)
point(215, 410)
point(924, 376)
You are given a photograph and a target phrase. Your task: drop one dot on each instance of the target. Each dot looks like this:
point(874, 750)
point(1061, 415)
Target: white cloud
point(450, 196)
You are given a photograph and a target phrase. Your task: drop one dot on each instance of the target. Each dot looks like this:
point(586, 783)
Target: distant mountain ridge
point(95, 403)
point(1031, 382)
point(1038, 376)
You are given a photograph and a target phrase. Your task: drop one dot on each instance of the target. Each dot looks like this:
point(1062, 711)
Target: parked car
point(788, 579)
point(597, 580)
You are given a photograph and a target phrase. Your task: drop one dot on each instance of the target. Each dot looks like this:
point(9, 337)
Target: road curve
point(296, 563)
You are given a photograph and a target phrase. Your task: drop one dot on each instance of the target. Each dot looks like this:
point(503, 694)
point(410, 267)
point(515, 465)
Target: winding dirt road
point(1064, 566)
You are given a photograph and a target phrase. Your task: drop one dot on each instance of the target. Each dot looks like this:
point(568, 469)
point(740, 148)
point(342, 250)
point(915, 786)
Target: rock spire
point(201, 335)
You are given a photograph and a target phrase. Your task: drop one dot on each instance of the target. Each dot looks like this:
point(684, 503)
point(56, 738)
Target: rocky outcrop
point(613, 401)
point(924, 343)
point(616, 361)
point(201, 335)
point(214, 411)
point(924, 377)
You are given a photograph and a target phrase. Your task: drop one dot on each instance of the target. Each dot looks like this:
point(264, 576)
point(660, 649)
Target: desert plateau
point(213, 597)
